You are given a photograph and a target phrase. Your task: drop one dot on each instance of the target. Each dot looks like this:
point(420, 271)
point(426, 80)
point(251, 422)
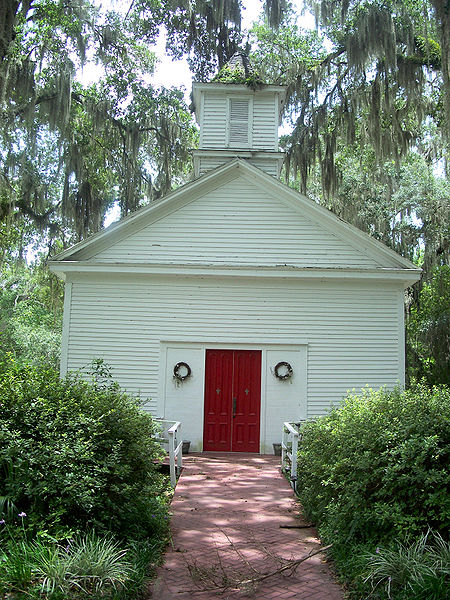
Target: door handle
point(234, 407)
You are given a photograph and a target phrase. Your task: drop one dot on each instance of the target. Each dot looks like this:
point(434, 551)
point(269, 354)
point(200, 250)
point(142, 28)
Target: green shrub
point(375, 473)
point(77, 455)
point(88, 566)
point(377, 467)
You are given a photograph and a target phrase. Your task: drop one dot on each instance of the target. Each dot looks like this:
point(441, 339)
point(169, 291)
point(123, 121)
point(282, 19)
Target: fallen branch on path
point(233, 584)
point(293, 564)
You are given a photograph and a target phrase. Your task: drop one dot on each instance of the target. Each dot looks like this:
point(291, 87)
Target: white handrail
point(175, 452)
point(171, 439)
point(289, 450)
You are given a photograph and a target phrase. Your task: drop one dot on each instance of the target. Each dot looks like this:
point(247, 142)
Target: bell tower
point(238, 117)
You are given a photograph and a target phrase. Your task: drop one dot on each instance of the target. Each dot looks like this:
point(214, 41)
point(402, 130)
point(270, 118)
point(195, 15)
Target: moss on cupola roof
point(238, 70)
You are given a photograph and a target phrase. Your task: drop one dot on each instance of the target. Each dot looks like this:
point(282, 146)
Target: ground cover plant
point(83, 508)
point(418, 569)
point(373, 475)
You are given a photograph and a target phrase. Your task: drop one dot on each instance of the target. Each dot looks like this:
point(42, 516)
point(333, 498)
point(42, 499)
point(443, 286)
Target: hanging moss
point(373, 88)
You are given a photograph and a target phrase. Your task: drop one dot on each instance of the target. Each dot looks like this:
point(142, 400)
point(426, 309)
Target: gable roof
point(377, 252)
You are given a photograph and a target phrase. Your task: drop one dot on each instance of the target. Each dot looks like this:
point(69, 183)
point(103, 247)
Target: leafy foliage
point(428, 330)
point(377, 467)
point(237, 75)
point(76, 454)
point(30, 314)
point(377, 85)
point(285, 54)
point(208, 33)
point(87, 566)
point(374, 474)
point(67, 151)
point(417, 570)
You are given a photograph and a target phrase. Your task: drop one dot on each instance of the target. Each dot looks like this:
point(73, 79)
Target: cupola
point(238, 116)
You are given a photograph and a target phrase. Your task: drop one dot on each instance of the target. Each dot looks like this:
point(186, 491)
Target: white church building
point(235, 303)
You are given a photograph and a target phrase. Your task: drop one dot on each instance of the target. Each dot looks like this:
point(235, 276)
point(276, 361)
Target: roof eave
point(406, 276)
point(220, 175)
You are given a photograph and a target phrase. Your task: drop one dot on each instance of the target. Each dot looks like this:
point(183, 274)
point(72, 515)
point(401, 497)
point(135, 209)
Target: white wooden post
point(294, 460)
point(173, 475)
point(180, 450)
point(175, 452)
point(289, 450)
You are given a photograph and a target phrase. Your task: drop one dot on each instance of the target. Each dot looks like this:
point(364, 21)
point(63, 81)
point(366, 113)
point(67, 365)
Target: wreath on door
point(283, 371)
point(182, 371)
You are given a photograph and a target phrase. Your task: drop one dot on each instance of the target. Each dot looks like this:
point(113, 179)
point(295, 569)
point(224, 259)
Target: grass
point(417, 570)
point(88, 566)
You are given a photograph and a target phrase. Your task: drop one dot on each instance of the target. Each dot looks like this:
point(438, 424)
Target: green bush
point(375, 472)
point(87, 566)
point(377, 467)
point(77, 455)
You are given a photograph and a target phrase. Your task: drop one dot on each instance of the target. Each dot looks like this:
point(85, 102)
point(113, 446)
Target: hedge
point(76, 455)
point(377, 468)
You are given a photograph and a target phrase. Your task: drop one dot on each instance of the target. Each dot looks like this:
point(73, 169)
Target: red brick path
point(227, 512)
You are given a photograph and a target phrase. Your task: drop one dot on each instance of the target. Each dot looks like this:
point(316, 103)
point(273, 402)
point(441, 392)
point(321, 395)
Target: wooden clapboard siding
point(353, 331)
point(265, 123)
point(262, 112)
point(269, 164)
point(237, 224)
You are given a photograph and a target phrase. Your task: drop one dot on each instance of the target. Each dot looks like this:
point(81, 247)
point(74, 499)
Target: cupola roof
point(239, 70)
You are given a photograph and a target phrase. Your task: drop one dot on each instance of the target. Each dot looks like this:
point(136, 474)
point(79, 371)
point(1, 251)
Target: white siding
point(265, 122)
point(352, 332)
point(268, 164)
point(236, 224)
point(184, 402)
point(263, 126)
point(213, 125)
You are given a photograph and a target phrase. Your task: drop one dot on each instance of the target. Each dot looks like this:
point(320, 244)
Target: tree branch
point(293, 564)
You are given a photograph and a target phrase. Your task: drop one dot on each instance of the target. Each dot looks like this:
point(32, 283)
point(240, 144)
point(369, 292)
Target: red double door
point(232, 400)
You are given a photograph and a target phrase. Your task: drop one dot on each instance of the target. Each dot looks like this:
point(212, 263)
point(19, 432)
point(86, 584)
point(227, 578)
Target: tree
point(209, 33)
point(30, 314)
point(119, 139)
point(428, 330)
point(379, 83)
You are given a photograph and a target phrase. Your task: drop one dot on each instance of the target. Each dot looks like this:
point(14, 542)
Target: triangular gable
point(237, 215)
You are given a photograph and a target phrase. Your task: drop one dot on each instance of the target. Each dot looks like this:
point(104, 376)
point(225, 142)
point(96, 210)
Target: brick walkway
point(227, 512)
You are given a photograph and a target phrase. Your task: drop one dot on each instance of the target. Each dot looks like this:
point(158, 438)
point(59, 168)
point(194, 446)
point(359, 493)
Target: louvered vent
point(239, 123)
